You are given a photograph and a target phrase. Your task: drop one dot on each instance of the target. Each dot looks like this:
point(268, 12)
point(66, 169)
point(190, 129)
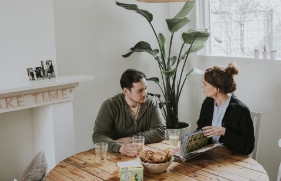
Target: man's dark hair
point(129, 77)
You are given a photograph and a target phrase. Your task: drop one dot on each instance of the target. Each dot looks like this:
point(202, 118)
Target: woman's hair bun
point(232, 69)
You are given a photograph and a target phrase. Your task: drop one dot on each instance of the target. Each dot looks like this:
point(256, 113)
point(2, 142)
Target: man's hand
point(125, 140)
point(129, 149)
point(210, 131)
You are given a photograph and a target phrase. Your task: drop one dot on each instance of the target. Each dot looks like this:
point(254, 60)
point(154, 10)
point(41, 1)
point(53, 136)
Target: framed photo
point(31, 73)
point(35, 73)
point(38, 72)
point(48, 70)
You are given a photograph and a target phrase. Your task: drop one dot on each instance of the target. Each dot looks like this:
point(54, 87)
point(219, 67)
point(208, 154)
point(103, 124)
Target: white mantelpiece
point(51, 101)
point(28, 94)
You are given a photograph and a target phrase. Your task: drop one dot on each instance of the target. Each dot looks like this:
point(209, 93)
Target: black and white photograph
point(48, 69)
point(31, 74)
point(38, 73)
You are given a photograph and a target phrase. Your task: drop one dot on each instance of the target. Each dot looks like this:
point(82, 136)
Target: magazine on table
point(192, 144)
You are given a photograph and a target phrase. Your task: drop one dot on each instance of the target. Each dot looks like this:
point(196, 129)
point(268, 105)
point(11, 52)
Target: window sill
point(246, 59)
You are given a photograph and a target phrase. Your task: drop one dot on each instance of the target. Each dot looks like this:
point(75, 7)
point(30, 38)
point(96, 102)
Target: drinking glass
point(174, 135)
point(138, 141)
point(101, 152)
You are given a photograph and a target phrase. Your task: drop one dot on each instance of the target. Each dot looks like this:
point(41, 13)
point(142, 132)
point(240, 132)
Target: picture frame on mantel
point(48, 69)
point(45, 71)
point(35, 73)
point(31, 74)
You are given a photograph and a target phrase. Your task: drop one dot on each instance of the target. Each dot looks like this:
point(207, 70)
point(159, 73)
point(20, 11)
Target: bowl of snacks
point(155, 162)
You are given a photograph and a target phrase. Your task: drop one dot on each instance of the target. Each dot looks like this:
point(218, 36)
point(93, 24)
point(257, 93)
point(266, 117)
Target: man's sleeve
point(156, 133)
point(103, 125)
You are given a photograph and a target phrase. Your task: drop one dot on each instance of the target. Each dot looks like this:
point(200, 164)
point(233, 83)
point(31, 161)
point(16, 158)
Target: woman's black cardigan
point(239, 135)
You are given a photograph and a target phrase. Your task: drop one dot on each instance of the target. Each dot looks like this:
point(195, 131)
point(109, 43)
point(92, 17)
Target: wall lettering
point(37, 98)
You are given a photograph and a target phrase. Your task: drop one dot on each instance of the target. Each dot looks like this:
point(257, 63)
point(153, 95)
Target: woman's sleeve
point(206, 110)
point(243, 141)
point(200, 123)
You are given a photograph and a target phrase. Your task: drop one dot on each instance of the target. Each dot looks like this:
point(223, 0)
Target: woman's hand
point(210, 131)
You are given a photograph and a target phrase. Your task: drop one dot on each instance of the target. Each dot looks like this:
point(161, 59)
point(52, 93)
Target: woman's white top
point(218, 115)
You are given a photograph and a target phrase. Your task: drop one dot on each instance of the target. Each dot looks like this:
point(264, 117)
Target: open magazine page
point(201, 150)
point(193, 141)
point(192, 144)
point(177, 151)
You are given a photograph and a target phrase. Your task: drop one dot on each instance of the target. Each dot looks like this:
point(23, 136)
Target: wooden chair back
point(256, 117)
point(279, 170)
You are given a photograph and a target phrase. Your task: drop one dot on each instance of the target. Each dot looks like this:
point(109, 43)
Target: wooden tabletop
point(216, 164)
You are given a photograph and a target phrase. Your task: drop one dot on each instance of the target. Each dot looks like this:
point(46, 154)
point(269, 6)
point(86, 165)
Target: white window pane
point(245, 25)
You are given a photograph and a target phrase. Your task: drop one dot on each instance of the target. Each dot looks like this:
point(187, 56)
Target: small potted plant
point(265, 53)
point(272, 54)
point(257, 53)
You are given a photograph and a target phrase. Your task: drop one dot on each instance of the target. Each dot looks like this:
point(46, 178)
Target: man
point(130, 113)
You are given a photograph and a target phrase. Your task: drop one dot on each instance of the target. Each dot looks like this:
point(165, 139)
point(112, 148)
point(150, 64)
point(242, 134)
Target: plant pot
point(273, 55)
point(265, 55)
point(257, 54)
point(182, 132)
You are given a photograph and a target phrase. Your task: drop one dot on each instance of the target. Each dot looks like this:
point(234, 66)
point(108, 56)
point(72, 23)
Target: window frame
point(203, 22)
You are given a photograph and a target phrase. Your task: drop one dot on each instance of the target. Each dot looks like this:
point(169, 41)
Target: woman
point(223, 117)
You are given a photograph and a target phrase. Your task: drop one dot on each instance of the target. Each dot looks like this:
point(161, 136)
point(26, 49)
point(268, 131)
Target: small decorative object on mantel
point(265, 54)
point(46, 70)
point(161, 1)
point(272, 54)
point(257, 53)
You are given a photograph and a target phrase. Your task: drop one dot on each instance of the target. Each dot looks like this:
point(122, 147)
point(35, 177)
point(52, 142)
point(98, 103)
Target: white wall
point(91, 37)
point(27, 38)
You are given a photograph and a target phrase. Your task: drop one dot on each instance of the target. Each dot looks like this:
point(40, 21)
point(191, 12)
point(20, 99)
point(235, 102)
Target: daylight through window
point(243, 26)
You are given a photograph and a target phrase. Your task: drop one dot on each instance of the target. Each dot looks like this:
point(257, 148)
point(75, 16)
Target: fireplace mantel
point(17, 86)
point(28, 94)
point(51, 101)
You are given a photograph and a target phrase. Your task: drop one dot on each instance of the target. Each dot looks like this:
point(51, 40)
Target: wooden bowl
point(156, 167)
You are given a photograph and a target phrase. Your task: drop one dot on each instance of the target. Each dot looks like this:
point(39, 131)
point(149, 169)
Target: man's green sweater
point(115, 120)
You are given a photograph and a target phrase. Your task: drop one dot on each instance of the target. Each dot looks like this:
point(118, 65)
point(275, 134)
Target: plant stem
point(159, 63)
point(162, 78)
point(162, 54)
point(183, 67)
point(176, 69)
point(165, 113)
point(161, 89)
point(182, 86)
point(168, 61)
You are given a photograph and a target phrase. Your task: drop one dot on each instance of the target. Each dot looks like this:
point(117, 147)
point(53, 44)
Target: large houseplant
point(171, 67)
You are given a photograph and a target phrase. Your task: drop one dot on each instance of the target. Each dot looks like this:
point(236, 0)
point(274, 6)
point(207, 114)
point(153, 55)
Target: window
point(241, 25)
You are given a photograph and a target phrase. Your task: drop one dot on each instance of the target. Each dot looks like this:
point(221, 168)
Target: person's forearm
point(154, 135)
point(113, 146)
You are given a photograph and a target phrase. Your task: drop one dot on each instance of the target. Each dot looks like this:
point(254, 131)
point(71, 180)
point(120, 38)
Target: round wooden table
point(216, 164)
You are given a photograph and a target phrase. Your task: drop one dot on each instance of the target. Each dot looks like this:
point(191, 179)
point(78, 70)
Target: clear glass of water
point(174, 135)
point(138, 141)
point(101, 152)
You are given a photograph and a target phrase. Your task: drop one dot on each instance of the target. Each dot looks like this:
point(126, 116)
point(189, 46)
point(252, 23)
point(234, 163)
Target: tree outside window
point(243, 26)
